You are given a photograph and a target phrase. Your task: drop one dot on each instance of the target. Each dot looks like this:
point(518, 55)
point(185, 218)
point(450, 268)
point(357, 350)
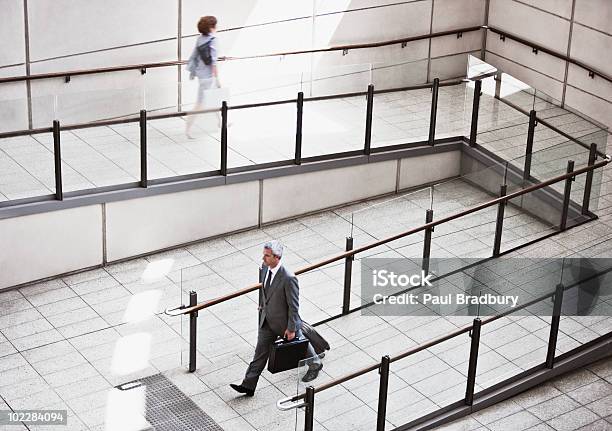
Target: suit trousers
point(265, 338)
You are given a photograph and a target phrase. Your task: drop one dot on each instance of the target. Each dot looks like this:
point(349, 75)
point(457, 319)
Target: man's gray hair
point(275, 247)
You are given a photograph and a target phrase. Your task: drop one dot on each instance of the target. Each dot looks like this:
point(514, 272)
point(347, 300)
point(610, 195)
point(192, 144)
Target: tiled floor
point(103, 156)
point(580, 400)
point(67, 342)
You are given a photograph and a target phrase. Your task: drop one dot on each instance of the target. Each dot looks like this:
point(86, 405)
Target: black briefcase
point(285, 355)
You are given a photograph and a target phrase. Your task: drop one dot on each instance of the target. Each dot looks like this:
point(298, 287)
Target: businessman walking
point(278, 317)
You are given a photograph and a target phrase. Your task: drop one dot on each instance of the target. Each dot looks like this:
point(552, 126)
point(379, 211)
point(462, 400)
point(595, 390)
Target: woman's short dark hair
point(206, 24)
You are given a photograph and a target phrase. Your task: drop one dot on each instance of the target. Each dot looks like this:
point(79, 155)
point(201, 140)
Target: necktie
point(268, 282)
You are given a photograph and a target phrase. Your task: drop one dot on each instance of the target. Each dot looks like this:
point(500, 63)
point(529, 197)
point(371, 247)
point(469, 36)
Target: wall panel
point(451, 14)
point(46, 244)
point(594, 13)
point(12, 37)
point(297, 194)
point(593, 48)
point(66, 27)
point(144, 225)
point(516, 18)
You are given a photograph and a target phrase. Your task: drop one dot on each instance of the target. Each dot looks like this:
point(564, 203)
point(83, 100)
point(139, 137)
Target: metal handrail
point(549, 51)
point(231, 58)
point(144, 66)
point(177, 311)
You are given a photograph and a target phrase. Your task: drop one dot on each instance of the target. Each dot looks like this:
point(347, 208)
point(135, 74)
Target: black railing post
point(434, 111)
point(57, 158)
point(193, 328)
point(298, 128)
point(309, 413)
point(475, 108)
point(588, 184)
point(143, 148)
point(498, 83)
point(566, 195)
point(348, 273)
point(529, 148)
point(427, 241)
point(383, 389)
point(224, 138)
point(368, 125)
point(499, 224)
point(554, 326)
point(473, 362)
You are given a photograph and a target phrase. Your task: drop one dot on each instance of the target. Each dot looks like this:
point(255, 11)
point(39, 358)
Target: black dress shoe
point(241, 389)
point(313, 373)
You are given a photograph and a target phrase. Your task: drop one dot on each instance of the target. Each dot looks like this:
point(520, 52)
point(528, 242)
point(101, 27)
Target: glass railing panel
point(77, 104)
point(183, 145)
point(508, 347)
point(98, 157)
point(432, 378)
point(454, 111)
point(401, 117)
point(14, 108)
point(586, 312)
point(261, 135)
point(470, 235)
point(268, 78)
point(27, 166)
point(517, 93)
point(333, 126)
point(329, 79)
point(342, 407)
point(530, 217)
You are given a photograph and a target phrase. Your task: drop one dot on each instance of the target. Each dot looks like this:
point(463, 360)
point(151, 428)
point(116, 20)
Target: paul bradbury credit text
point(446, 299)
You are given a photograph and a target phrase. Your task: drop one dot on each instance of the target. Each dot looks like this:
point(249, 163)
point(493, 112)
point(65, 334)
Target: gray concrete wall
point(58, 35)
point(581, 29)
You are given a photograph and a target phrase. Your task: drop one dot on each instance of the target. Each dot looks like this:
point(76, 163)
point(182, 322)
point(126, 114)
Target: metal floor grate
point(169, 409)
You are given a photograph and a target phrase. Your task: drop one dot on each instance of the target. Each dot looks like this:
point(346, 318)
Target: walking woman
point(203, 64)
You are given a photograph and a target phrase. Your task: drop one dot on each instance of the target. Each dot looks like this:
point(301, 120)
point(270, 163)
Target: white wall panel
point(558, 7)
point(578, 77)
point(367, 26)
point(519, 19)
point(13, 101)
point(12, 37)
point(298, 194)
point(143, 225)
point(238, 13)
point(450, 67)
point(592, 106)
point(519, 53)
point(439, 166)
point(327, 6)
point(451, 14)
point(64, 27)
point(447, 45)
point(537, 80)
point(412, 73)
point(46, 244)
point(594, 13)
point(592, 47)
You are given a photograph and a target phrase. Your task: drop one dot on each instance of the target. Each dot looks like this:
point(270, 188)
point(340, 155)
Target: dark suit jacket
point(280, 308)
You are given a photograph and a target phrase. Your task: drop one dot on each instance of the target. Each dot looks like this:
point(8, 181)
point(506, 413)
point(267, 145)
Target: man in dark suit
point(278, 317)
